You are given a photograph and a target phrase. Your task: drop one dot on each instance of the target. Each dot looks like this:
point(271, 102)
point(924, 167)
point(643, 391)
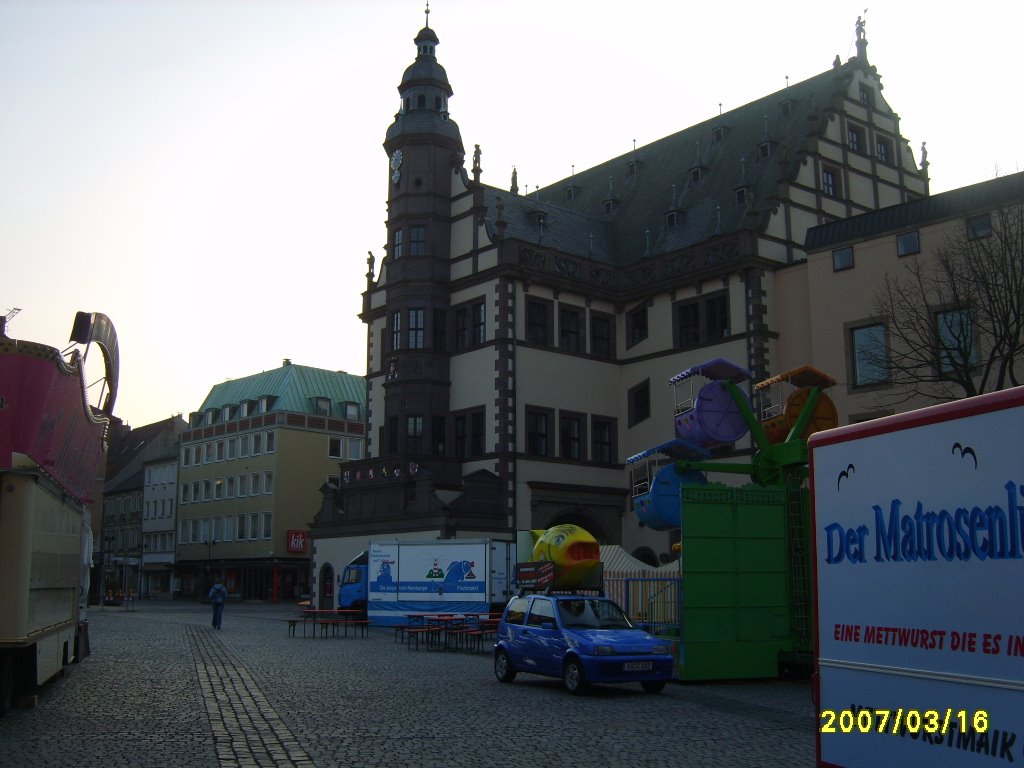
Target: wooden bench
point(430, 635)
point(467, 637)
point(291, 625)
point(358, 625)
point(401, 629)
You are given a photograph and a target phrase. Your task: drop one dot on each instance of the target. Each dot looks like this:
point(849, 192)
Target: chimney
point(287, 361)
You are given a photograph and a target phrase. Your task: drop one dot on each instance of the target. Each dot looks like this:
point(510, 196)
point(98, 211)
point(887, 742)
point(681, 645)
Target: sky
point(210, 173)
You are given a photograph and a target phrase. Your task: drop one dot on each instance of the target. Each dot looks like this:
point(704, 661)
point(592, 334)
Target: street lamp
point(210, 543)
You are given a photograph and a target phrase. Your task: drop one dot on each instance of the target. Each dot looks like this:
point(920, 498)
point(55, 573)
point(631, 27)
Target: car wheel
point(653, 686)
point(573, 676)
point(503, 667)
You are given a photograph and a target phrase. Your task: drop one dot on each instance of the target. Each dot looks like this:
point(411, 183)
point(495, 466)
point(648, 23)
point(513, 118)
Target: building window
point(268, 482)
point(979, 226)
point(207, 489)
point(240, 527)
point(479, 323)
point(717, 134)
point(830, 181)
point(243, 485)
point(764, 150)
point(243, 446)
point(636, 325)
point(352, 411)
point(461, 436)
point(538, 437)
point(218, 489)
point(476, 434)
point(415, 329)
point(842, 258)
point(955, 332)
point(355, 448)
point(883, 150)
point(639, 403)
point(254, 521)
point(440, 330)
point(703, 320)
point(570, 436)
point(254, 483)
point(461, 329)
point(207, 453)
point(257, 443)
point(268, 442)
point(229, 487)
point(322, 406)
point(396, 331)
point(396, 244)
point(855, 139)
point(437, 427)
point(334, 443)
point(569, 321)
point(602, 440)
point(414, 433)
point(268, 525)
point(393, 434)
point(186, 452)
point(741, 196)
point(670, 219)
point(870, 355)
point(601, 335)
point(908, 243)
point(695, 176)
point(184, 493)
point(570, 194)
point(232, 448)
point(417, 241)
point(538, 322)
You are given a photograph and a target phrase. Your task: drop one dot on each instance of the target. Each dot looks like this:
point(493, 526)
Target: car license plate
point(638, 666)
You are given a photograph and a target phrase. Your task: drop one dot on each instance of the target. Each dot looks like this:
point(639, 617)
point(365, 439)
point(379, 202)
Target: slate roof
point(637, 227)
point(124, 470)
point(963, 202)
point(293, 388)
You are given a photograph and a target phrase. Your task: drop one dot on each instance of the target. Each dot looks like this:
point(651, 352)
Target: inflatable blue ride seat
point(661, 507)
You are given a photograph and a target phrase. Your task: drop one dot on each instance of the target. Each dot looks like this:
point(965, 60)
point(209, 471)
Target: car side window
point(541, 611)
point(516, 612)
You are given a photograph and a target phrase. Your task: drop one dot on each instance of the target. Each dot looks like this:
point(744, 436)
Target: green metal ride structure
point(744, 551)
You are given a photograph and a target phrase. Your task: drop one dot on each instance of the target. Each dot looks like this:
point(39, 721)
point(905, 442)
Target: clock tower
point(425, 171)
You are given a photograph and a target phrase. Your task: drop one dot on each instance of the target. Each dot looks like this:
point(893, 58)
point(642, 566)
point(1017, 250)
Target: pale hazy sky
point(209, 173)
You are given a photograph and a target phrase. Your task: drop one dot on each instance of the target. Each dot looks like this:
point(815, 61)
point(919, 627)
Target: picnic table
point(329, 620)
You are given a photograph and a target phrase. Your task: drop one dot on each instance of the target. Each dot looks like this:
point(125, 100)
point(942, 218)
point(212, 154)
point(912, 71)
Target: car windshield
point(592, 614)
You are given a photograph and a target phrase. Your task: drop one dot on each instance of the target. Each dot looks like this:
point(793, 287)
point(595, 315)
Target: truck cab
point(352, 584)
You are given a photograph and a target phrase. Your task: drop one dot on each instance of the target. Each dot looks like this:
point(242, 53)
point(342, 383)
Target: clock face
point(396, 160)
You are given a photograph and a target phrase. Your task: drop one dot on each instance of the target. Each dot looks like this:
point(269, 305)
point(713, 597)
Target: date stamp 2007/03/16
point(868, 720)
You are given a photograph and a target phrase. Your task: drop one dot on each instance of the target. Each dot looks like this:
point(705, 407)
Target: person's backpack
point(218, 595)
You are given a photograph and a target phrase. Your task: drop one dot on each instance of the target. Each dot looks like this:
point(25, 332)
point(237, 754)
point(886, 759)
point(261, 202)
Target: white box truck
point(395, 578)
point(918, 522)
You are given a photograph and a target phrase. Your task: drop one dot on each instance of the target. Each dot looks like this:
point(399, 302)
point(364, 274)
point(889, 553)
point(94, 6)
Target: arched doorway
point(325, 593)
point(585, 519)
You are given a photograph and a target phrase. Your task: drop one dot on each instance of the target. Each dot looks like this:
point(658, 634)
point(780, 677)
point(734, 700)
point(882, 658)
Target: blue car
point(579, 639)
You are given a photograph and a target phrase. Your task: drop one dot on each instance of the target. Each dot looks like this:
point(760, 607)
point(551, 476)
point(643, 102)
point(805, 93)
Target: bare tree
point(955, 318)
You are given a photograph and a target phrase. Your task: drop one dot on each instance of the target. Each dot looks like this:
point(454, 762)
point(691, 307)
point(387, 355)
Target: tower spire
point(426, 22)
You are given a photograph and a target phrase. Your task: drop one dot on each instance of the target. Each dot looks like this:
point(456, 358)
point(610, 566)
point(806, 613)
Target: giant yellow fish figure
point(575, 553)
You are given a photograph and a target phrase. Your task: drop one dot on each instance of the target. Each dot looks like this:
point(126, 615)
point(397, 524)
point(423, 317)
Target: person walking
point(218, 594)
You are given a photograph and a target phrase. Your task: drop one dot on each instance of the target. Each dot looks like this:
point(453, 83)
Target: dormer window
point(718, 134)
point(764, 150)
point(322, 406)
point(671, 218)
point(570, 192)
point(632, 167)
point(542, 218)
point(609, 207)
point(786, 109)
point(867, 96)
point(696, 175)
point(742, 196)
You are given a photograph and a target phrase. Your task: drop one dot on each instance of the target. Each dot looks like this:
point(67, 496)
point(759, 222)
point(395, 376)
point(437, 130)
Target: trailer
point(918, 525)
point(52, 451)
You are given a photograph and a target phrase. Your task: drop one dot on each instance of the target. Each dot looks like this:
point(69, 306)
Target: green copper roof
point(293, 388)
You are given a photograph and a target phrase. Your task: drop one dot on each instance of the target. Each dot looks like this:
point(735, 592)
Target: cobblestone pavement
point(162, 688)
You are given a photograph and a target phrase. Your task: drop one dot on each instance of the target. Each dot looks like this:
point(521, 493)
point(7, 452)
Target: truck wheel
point(503, 667)
point(653, 686)
point(573, 677)
point(6, 686)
